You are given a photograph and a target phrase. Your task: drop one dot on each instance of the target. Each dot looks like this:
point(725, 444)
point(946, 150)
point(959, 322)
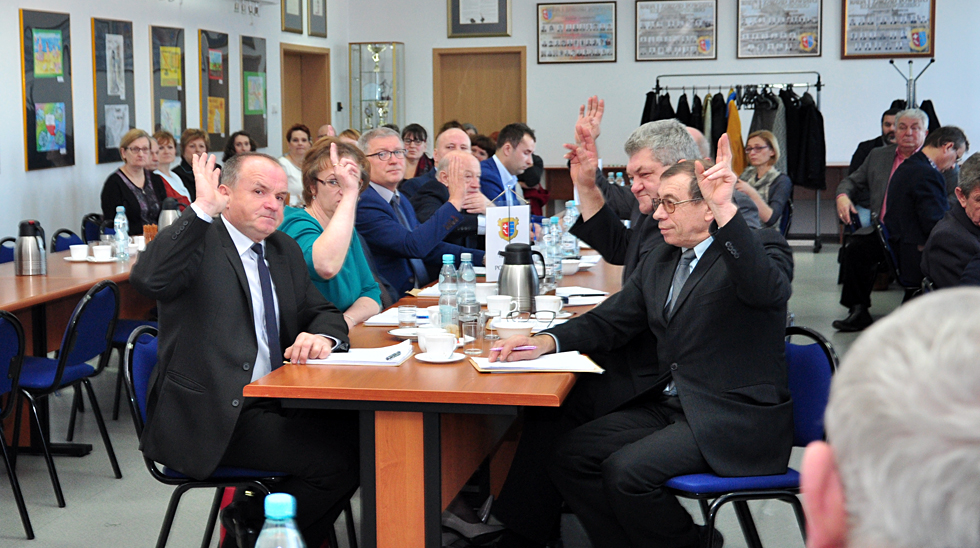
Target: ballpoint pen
point(393, 356)
point(516, 348)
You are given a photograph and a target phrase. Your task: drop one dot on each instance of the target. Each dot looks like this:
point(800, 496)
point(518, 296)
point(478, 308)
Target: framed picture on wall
point(888, 28)
point(292, 16)
point(214, 86)
point(672, 30)
point(776, 28)
point(255, 103)
point(317, 24)
point(577, 32)
point(115, 101)
point(167, 85)
point(472, 18)
point(45, 45)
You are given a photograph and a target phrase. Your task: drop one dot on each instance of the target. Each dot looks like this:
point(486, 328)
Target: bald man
point(449, 140)
point(463, 166)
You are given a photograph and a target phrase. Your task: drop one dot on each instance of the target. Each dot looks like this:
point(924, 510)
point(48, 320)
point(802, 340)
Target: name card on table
point(505, 225)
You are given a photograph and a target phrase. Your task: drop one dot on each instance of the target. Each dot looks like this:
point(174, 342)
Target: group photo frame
point(888, 29)
point(675, 30)
point(576, 32)
point(780, 28)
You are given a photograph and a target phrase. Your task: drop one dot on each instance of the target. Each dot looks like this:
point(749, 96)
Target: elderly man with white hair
point(902, 462)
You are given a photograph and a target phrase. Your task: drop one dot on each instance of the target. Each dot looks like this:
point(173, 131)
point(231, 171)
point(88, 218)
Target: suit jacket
point(490, 184)
point(723, 346)
point(811, 168)
point(433, 195)
point(871, 179)
point(916, 202)
point(619, 199)
point(392, 244)
point(862, 151)
point(207, 337)
point(952, 244)
point(409, 187)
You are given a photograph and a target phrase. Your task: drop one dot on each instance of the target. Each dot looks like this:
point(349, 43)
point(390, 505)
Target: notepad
point(591, 259)
point(562, 362)
point(581, 296)
point(395, 354)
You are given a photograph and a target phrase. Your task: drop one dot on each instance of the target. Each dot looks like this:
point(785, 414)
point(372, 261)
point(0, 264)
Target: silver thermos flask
point(168, 214)
point(30, 258)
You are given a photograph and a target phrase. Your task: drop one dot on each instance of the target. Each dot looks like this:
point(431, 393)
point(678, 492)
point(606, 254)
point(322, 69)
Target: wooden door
point(305, 88)
point(486, 87)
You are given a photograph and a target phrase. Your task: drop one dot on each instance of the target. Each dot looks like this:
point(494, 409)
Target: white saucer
point(428, 358)
point(405, 333)
point(94, 260)
point(563, 315)
point(71, 260)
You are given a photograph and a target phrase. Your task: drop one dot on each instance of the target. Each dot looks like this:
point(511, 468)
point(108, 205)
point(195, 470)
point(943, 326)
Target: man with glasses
point(714, 299)
point(406, 253)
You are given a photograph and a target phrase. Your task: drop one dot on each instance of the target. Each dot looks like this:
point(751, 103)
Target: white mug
point(440, 345)
point(79, 251)
point(501, 305)
point(434, 319)
point(484, 290)
point(424, 332)
point(547, 303)
point(102, 252)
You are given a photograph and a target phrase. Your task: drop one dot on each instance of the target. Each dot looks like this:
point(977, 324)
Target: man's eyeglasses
point(139, 150)
point(383, 155)
point(414, 141)
point(670, 205)
point(332, 183)
point(750, 150)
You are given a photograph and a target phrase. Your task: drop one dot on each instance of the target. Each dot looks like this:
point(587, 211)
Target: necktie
point(680, 277)
point(271, 324)
point(418, 267)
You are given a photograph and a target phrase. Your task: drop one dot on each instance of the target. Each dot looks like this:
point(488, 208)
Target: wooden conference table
point(425, 428)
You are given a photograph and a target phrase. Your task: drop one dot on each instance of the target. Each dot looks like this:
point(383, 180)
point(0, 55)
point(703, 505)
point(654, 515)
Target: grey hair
point(915, 113)
point(232, 170)
point(904, 422)
point(969, 175)
point(376, 133)
point(668, 141)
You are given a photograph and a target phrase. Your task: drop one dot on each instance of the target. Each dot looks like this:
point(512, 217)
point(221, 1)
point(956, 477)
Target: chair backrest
point(92, 227)
point(891, 260)
point(7, 249)
point(11, 357)
point(809, 368)
point(63, 239)
point(786, 219)
point(140, 359)
point(89, 331)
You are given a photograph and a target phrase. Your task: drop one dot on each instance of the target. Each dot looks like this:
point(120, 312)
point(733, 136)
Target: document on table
point(395, 354)
point(562, 362)
point(389, 318)
point(581, 296)
point(591, 259)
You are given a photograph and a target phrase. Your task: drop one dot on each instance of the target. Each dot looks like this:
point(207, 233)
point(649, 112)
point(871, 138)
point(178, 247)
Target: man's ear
point(224, 190)
point(823, 498)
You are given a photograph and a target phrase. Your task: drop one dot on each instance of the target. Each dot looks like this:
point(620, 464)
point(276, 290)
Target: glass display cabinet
point(376, 89)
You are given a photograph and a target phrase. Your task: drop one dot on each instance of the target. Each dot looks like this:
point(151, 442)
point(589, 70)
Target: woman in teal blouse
point(324, 229)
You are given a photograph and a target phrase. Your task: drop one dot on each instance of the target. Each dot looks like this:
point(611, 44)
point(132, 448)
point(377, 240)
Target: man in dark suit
point(449, 140)
point(917, 198)
point(515, 147)
point(887, 137)
point(715, 299)
point(235, 299)
point(408, 254)
point(955, 241)
point(434, 194)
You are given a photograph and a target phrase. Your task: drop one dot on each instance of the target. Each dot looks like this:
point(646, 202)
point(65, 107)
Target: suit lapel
point(704, 264)
point(231, 252)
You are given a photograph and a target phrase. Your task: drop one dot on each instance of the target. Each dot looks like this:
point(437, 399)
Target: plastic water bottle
point(280, 529)
point(619, 179)
point(569, 243)
point(556, 237)
point(448, 313)
point(467, 280)
point(121, 226)
point(548, 242)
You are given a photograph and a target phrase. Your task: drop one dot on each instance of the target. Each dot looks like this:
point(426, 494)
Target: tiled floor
point(128, 512)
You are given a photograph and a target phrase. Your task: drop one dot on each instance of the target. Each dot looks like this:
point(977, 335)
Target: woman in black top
point(133, 186)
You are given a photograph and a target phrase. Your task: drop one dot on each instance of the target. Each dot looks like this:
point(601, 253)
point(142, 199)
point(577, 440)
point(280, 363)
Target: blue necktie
point(271, 324)
point(418, 267)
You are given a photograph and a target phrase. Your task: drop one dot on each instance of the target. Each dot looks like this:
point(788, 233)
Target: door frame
point(438, 53)
point(286, 48)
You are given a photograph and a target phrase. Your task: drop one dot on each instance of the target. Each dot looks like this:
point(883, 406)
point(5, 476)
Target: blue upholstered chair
point(87, 337)
point(11, 357)
point(7, 250)
point(92, 227)
point(786, 218)
point(809, 367)
point(63, 239)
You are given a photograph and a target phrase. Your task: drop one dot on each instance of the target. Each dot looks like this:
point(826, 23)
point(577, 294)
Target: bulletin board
point(114, 86)
point(167, 86)
point(214, 86)
point(255, 102)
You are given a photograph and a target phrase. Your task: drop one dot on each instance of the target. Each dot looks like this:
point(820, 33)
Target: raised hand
point(456, 182)
point(347, 171)
point(476, 202)
point(206, 178)
point(590, 115)
point(583, 158)
point(717, 183)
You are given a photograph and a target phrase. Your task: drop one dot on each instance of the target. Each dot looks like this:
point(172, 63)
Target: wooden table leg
point(400, 495)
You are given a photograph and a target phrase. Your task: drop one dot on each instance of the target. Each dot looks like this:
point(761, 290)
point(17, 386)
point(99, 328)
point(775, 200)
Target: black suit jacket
point(207, 338)
point(952, 244)
point(916, 202)
point(429, 198)
point(723, 346)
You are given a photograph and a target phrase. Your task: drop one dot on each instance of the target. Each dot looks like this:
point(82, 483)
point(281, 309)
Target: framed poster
point(167, 84)
point(115, 101)
point(471, 18)
point(292, 16)
point(888, 28)
point(671, 30)
point(45, 45)
point(317, 24)
point(214, 86)
point(577, 33)
point(255, 104)
point(779, 28)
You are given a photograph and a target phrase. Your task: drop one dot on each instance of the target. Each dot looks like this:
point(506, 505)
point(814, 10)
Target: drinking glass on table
point(406, 316)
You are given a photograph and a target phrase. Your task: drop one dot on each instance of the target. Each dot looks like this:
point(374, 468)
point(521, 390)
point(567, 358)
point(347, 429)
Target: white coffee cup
point(139, 242)
point(501, 305)
point(570, 266)
point(484, 290)
point(434, 319)
point(102, 252)
point(79, 251)
point(440, 345)
point(547, 303)
point(424, 332)
point(510, 328)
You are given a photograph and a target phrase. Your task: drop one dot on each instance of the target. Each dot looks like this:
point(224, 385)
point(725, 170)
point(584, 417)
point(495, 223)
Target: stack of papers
point(563, 362)
point(539, 325)
point(590, 260)
point(581, 296)
point(390, 317)
point(395, 354)
point(431, 291)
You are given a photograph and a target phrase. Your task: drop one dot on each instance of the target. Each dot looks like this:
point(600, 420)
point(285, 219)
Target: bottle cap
point(120, 209)
point(554, 220)
point(448, 258)
point(469, 309)
point(546, 221)
point(280, 506)
point(466, 257)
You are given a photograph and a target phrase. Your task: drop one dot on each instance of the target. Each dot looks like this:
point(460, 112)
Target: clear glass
point(406, 316)
point(376, 87)
point(472, 336)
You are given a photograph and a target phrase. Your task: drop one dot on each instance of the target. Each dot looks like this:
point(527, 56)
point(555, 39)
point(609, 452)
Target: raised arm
point(330, 248)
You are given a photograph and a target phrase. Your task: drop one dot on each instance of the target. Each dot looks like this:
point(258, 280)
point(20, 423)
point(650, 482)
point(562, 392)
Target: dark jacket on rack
point(791, 103)
point(719, 121)
point(665, 111)
point(683, 111)
point(649, 108)
point(811, 167)
point(930, 111)
point(697, 113)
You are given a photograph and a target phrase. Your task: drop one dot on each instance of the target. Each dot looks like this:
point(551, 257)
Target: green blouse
point(354, 279)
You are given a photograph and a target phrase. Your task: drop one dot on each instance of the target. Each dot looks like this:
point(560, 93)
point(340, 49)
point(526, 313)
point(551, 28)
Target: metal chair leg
point(747, 523)
point(332, 536)
point(18, 407)
point(351, 530)
point(47, 452)
point(212, 516)
point(76, 406)
point(119, 388)
point(15, 485)
point(800, 515)
point(168, 518)
point(102, 428)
